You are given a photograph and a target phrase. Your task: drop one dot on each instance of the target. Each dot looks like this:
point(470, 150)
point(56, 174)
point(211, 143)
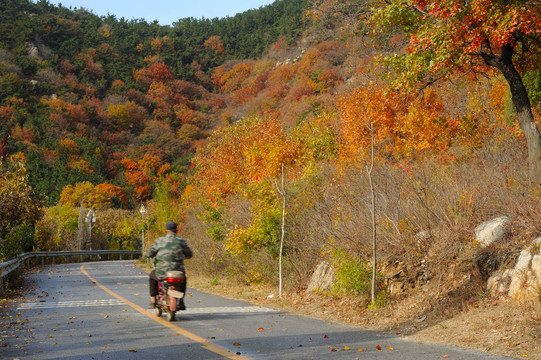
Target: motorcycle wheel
point(170, 315)
point(158, 312)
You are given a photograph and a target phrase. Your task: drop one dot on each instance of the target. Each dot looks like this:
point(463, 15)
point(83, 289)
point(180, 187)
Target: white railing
point(96, 255)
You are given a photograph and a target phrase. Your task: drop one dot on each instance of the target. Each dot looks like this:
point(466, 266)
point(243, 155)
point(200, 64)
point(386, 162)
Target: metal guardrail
point(11, 265)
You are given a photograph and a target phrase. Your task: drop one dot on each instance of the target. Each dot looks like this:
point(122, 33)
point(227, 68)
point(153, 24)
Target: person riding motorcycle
point(169, 252)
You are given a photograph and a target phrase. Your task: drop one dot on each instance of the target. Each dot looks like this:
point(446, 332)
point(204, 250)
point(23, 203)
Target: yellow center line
point(204, 342)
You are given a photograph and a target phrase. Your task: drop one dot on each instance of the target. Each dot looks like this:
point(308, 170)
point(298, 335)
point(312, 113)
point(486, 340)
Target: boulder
point(520, 275)
point(323, 278)
point(492, 231)
point(524, 281)
point(499, 282)
point(536, 269)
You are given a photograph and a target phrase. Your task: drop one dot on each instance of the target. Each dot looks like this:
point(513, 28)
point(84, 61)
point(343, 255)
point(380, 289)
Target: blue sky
point(165, 11)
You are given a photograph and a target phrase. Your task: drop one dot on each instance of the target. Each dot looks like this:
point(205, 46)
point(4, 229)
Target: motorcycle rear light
point(172, 280)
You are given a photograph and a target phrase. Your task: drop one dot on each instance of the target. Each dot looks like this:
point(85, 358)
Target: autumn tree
point(215, 43)
point(92, 196)
point(143, 175)
point(474, 36)
point(156, 72)
point(404, 126)
point(18, 210)
point(240, 162)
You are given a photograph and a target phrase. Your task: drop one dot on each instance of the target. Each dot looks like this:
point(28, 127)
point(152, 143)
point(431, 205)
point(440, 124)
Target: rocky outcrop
point(38, 51)
point(524, 281)
point(323, 278)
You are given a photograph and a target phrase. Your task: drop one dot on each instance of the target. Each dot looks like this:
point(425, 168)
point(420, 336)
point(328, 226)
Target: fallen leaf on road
point(133, 350)
point(260, 329)
point(346, 348)
point(236, 344)
point(360, 349)
point(378, 347)
point(390, 348)
point(325, 336)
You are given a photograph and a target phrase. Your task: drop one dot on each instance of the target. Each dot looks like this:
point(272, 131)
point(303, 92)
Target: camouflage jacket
point(170, 251)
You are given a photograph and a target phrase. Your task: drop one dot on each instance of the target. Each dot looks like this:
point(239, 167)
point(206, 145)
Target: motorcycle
point(167, 300)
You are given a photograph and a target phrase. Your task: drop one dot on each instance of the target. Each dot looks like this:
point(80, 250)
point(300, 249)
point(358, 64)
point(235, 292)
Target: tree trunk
point(373, 212)
point(283, 193)
point(520, 98)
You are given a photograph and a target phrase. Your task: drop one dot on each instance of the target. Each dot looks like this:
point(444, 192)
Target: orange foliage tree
point(249, 151)
point(142, 175)
point(241, 161)
point(403, 126)
point(447, 37)
point(215, 43)
point(84, 192)
point(156, 72)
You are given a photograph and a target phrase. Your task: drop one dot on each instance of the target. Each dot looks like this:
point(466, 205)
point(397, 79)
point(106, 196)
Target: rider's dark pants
point(153, 284)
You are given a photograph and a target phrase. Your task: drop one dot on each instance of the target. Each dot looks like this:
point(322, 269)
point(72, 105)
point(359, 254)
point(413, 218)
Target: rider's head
point(171, 226)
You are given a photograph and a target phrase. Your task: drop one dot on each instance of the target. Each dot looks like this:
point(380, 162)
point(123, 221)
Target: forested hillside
point(360, 127)
point(116, 107)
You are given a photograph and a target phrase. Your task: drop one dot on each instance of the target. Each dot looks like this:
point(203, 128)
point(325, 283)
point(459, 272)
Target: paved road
point(98, 311)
